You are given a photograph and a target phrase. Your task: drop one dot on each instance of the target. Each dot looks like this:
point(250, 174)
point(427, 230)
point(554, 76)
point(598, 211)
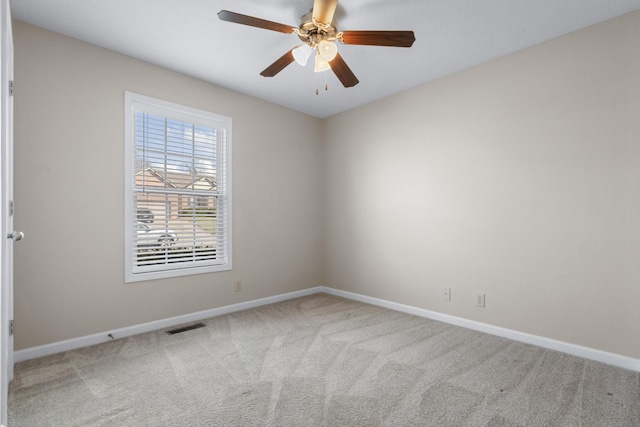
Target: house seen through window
point(178, 190)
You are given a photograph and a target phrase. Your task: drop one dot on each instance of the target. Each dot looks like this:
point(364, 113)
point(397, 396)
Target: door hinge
point(11, 208)
point(11, 328)
point(10, 87)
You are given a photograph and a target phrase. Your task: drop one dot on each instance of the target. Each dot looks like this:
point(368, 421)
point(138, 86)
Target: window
point(177, 190)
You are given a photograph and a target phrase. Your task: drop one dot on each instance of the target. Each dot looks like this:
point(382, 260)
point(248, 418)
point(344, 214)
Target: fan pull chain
point(326, 85)
point(326, 89)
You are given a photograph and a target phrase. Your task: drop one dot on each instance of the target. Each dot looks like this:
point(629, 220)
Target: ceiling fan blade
point(379, 38)
point(323, 10)
point(343, 72)
point(279, 65)
point(237, 18)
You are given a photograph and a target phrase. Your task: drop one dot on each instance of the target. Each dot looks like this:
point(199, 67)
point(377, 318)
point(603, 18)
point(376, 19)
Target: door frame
point(6, 213)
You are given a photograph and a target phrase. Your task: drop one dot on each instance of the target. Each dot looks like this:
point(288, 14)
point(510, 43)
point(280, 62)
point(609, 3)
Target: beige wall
point(519, 178)
point(69, 162)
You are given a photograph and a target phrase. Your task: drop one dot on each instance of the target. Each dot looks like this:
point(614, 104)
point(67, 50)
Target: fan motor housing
point(312, 33)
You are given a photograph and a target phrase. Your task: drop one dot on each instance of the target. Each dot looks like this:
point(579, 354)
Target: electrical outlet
point(445, 294)
point(237, 286)
point(479, 300)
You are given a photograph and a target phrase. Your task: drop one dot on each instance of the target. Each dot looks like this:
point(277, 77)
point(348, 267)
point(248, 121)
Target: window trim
point(135, 102)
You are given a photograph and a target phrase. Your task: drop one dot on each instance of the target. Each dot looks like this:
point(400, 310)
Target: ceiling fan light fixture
point(318, 32)
point(302, 54)
point(327, 50)
point(321, 64)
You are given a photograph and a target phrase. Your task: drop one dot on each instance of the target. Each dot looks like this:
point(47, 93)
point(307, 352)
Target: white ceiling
point(187, 36)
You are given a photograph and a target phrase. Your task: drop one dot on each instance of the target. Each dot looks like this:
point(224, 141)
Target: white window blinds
point(178, 211)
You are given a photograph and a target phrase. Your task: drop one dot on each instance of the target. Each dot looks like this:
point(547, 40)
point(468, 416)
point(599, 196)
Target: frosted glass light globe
point(327, 50)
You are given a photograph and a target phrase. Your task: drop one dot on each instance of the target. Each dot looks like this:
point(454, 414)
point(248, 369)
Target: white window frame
point(135, 103)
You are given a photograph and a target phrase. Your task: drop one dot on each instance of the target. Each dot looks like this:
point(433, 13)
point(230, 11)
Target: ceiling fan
point(319, 33)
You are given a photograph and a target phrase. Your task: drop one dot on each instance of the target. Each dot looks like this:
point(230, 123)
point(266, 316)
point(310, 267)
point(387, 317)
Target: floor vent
point(186, 328)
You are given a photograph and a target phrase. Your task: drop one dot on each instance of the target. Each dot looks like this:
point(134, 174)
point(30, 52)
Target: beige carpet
point(321, 361)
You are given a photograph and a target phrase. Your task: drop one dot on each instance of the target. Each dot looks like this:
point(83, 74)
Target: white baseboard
point(573, 349)
point(72, 344)
point(564, 347)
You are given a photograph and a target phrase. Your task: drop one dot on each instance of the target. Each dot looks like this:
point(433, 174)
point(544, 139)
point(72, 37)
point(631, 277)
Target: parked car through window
point(148, 236)
point(145, 215)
